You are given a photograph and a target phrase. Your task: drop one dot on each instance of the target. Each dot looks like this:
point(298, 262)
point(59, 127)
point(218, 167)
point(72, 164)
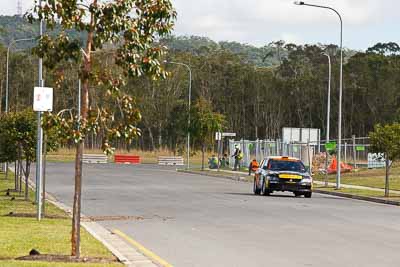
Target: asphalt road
point(191, 220)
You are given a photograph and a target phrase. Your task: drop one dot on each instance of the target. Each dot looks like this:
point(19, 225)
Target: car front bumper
point(289, 186)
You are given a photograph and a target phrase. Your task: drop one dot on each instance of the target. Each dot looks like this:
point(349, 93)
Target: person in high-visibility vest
point(237, 155)
point(253, 166)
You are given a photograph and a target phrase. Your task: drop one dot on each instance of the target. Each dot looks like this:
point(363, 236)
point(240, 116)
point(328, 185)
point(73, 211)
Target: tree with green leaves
point(205, 122)
point(131, 28)
point(18, 143)
point(386, 139)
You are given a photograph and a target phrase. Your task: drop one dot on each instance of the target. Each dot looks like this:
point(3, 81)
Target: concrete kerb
point(364, 198)
point(125, 253)
point(234, 178)
point(337, 194)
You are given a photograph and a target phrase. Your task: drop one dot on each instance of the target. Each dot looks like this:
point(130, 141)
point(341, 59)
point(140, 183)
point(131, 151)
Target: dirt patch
point(65, 258)
point(123, 218)
point(33, 215)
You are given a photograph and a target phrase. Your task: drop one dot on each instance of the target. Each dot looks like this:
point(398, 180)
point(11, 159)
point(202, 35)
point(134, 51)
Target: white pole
point(39, 148)
point(189, 102)
point(328, 115)
point(338, 176)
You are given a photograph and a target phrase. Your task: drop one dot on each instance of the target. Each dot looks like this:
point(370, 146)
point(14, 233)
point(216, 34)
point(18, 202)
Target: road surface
point(192, 220)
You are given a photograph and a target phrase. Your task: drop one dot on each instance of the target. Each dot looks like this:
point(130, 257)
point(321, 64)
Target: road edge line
point(148, 253)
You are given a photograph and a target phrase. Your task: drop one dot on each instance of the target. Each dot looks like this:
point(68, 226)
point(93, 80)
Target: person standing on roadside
point(253, 166)
point(237, 155)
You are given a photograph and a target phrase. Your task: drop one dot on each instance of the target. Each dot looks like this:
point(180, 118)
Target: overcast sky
point(259, 22)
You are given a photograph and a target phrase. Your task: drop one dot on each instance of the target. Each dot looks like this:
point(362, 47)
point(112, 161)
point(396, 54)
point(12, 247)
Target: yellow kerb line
point(142, 249)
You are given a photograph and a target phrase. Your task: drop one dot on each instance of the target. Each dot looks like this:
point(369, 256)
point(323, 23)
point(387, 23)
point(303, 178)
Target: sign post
point(42, 101)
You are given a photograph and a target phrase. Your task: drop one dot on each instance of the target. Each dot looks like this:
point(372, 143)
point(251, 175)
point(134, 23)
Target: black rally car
point(282, 174)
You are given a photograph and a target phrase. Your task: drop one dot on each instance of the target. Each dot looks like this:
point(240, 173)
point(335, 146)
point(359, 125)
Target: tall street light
point(301, 3)
point(328, 113)
point(39, 146)
point(7, 80)
point(13, 42)
point(189, 100)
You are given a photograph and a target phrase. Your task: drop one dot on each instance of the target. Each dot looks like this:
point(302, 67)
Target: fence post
point(345, 152)
point(354, 151)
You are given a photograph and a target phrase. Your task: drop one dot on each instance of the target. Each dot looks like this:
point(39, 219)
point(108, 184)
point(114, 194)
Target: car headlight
point(306, 180)
point(273, 178)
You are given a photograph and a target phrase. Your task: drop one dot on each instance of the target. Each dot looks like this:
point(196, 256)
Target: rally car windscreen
point(285, 165)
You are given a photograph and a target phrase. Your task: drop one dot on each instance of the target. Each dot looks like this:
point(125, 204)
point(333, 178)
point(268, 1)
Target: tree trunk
point(203, 147)
point(387, 178)
point(16, 175)
point(160, 137)
point(20, 175)
point(76, 212)
point(27, 171)
point(151, 139)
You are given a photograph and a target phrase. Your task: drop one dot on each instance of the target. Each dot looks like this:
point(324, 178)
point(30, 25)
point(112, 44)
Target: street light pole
point(328, 115)
point(301, 3)
point(39, 147)
point(189, 101)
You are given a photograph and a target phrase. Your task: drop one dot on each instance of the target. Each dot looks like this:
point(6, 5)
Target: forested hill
point(16, 27)
point(270, 54)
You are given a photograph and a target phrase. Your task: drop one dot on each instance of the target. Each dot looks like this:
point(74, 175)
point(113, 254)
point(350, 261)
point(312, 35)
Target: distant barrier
point(127, 159)
point(165, 160)
point(94, 158)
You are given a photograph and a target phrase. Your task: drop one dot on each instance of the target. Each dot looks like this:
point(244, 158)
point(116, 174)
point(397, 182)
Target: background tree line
point(258, 90)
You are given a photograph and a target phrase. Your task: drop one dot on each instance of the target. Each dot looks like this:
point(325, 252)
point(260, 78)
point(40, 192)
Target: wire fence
point(354, 151)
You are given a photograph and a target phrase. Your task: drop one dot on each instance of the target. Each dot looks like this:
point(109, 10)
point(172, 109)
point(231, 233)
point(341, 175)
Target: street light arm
point(300, 3)
point(326, 7)
point(7, 65)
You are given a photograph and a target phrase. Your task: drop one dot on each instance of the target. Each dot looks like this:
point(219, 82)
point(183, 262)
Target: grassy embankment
point(18, 235)
point(367, 177)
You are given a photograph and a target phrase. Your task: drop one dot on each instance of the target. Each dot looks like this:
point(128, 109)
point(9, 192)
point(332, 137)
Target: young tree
point(386, 139)
point(18, 142)
point(205, 122)
point(130, 26)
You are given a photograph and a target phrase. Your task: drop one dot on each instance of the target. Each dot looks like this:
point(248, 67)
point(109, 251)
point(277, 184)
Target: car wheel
point(308, 195)
point(264, 191)
point(256, 190)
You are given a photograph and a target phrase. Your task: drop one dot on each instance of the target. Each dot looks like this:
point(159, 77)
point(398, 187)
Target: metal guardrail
point(94, 158)
point(165, 160)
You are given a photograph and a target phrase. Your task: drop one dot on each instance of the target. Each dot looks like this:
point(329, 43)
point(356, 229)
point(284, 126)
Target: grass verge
point(359, 192)
point(50, 236)
point(367, 177)
point(147, 157)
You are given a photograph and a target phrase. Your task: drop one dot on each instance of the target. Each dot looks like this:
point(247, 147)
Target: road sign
point(218, 136)
point(331, 146)
point(360, 148)
point(228, 134)
point(43, 99)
